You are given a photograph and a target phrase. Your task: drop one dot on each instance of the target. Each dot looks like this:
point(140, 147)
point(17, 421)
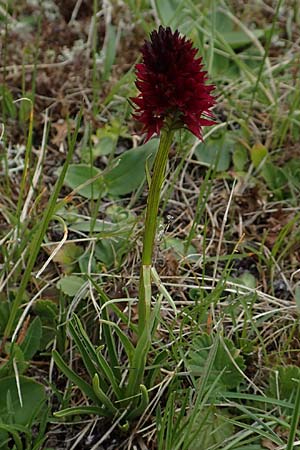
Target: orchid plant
point(173, 95)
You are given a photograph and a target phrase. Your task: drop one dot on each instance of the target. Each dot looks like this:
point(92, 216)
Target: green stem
point(158, 176)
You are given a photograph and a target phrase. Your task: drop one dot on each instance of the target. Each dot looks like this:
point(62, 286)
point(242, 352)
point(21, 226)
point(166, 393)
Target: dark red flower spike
point(172, 85)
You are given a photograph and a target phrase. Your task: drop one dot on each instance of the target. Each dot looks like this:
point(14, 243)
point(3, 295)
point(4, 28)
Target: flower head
point(172, 85)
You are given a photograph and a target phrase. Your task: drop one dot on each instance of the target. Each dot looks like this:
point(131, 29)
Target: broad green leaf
point(246, 279)
point(111, 251)
point(70, 284)
point(213, 429)
point(105, 146)
point(32, 341)
point(119, 214)
point(216, 151)
point(178, 246)
point(67, 256)
point(33, 395)
point(239, 39)
point(47, 311)
point(223, 22)
point(99, 226)
point(258, 153)
point(240, 158)
point(104, 140)
point(224, 67)
point(197, 356)
point(282, 381)
point(129, 171)
point(275, 178)
point(292, 172)
point(235, 38)
point(15, 355)
point(166, 10)
point(79, 177)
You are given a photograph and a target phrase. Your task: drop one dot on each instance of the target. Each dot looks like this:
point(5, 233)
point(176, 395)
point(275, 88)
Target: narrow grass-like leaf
point(84, 345)
point(13, 430)
point(76, 379)
point(108, 337)
point(138, 411)
point(92, 357)
point(258, 398)
point(127, 344)
point(36, 242)
point(162, 289)
point(115, 309)
point(102, 396)
point(155, 367)
point(256, 430)
point(79, 410)
point(295, 420)
point(110, 50)
point(137, 369)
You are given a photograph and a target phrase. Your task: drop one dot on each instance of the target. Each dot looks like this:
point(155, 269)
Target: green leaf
point(9, 108)
point(275, 178)
point(110, 50)
point(4, 314)
point(67, 256)
point(102, 396)
point(213, 429)
point(239, 39)
point(178, 246)
point(292, 172)
point(47, 311)
point(166, 10)
point(82, 174)
point(129, 172)
point(258, 153)
point(216, 151)
point(33, 395)
point(105, 146)
point(99, 226)
point(79, 410)
point(246, 279)
point(240, 158)
point(32, 341)
point(70, 284)
point(111, 251)
point(93, 359)
point(144, 401)
point(15, 355)
point(235, 38)
point(25, 107)
point(197, 356)
point(76, 379)
point(250, 447)
point(282, 382)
